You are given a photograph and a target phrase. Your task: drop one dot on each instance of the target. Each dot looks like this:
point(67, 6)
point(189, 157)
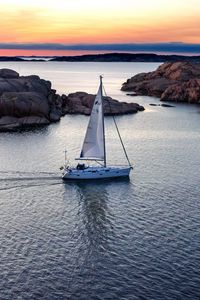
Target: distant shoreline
point(107, 57)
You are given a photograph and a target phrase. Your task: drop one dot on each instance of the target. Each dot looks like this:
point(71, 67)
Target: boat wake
point(28, 172)
point(19, 179)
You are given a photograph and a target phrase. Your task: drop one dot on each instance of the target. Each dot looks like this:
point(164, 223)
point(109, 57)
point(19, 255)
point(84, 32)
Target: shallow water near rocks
point(121, 239)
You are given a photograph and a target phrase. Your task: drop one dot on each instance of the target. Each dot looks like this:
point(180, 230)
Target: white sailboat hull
point(96, 173)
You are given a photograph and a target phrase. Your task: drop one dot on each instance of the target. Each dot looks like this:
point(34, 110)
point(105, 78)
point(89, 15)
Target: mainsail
point(94, 143)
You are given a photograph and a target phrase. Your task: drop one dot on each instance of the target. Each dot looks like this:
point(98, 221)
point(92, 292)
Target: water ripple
point(136, 239)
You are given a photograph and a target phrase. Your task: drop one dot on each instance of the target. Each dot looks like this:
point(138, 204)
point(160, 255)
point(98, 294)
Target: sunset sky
point(99, 22)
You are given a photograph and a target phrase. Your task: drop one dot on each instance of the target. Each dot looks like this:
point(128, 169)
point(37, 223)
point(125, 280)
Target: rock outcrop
point(179, 81)
point(30, 101)
point(81, 103)
point(26, 100)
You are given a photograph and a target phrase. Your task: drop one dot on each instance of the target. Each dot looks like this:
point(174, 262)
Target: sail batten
point(90, 158)
point(94, 141)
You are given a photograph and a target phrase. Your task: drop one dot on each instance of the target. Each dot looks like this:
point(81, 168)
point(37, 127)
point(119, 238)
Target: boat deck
point(96, 172)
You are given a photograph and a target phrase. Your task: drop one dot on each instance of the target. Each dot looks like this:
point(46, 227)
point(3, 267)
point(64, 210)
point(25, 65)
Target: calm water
point(121, 239)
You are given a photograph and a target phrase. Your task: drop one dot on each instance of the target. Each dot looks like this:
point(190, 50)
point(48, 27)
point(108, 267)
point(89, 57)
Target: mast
point(104, 142)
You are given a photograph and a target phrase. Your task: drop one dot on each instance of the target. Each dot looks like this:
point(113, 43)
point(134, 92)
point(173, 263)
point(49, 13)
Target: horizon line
point(167, 46)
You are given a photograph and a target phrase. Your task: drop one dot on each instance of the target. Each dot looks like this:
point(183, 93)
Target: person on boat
point(80, 166)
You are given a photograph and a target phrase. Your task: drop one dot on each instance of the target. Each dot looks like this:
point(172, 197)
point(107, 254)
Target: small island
point(31, 101)
point(127, 57)
point(108, 57)
point(172, 81)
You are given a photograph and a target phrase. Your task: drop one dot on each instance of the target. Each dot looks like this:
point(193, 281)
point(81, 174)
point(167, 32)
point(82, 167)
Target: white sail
point(94, 142)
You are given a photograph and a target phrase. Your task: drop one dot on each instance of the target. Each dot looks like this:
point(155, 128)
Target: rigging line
point(117, 129)
point(104, 139)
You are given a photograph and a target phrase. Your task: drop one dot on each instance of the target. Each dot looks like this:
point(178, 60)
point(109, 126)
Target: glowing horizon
point(105, 21)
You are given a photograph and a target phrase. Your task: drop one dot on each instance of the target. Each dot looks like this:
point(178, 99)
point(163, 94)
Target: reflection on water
point(94, 202)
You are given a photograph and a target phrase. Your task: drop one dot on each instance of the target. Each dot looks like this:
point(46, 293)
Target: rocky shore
point(177, 82)
point(30, 101)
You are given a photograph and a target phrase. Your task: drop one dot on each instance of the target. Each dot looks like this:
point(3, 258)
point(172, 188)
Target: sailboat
point(94, 149)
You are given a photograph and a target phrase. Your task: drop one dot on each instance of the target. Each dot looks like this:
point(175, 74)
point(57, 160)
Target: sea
point(136, 239)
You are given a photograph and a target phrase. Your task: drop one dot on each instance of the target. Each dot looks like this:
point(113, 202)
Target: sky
point(78, 22)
